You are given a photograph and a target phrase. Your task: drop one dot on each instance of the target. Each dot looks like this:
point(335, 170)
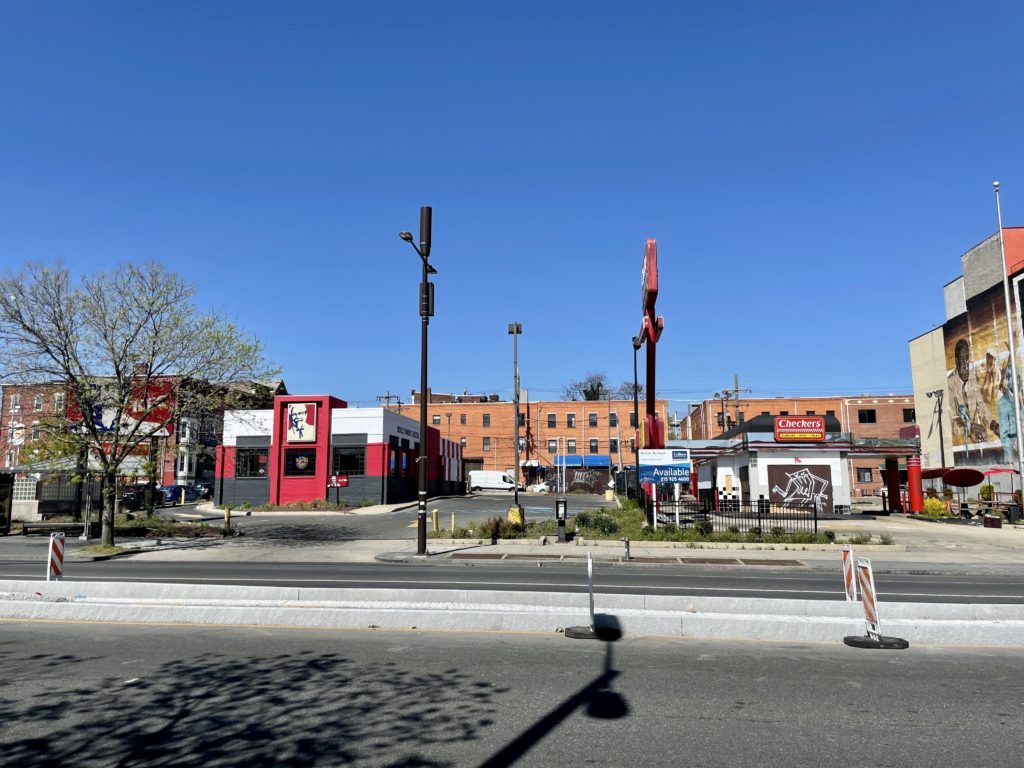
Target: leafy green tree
point(133, 350)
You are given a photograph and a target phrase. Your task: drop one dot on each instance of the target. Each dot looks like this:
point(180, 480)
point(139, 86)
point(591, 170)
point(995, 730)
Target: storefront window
point(300, 462)
point(349, 461)
point(251, 462)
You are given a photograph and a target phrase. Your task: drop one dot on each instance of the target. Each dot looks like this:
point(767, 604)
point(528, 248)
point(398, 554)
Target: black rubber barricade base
point(607, 634)
point(883, 643)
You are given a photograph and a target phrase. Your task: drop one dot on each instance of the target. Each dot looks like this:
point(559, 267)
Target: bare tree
point(625, 391)
point(593, 386)
point(132, 349)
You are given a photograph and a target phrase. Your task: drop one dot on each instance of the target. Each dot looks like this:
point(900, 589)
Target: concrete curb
point(469, 610)
point(687, 545)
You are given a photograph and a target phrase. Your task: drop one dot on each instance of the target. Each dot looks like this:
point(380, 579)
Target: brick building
point(873, 417)
point(184, 454)
point(587, 433)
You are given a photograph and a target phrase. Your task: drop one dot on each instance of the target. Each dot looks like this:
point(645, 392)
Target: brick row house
point(184, 449)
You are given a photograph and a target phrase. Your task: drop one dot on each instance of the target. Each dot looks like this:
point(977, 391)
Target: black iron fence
point(759, 518)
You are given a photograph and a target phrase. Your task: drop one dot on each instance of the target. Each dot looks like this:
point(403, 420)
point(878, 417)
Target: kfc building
point(309, 448)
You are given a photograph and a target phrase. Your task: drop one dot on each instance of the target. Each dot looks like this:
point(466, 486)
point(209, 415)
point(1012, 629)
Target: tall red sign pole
point(650, 332)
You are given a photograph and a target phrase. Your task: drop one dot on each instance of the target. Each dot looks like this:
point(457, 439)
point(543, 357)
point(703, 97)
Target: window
point(613, 446)
point(462, 419)
point(58, 403)
point(348, 461)
point(37, 403)
point(613, 419)
point(863, 474)
point(783, 413)
point(632, 444)
point(15, 402)
point(552, 446)
point(570, 420)
point(435, 419)
point(570, 446)
point(909, 416)
point(592, 419)
point(867, 416)
point(830, 413)
point(300, 462)
point(522, 419)
point(766, 413)
point(552, 421)
point(35, 433)
point(632, 418)
point(462, 442)
point(487, 443)
point(593, 446)
point(251, 462)
point(810, 413)
point(487, 419)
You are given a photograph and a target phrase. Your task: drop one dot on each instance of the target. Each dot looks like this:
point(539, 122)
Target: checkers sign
point(799, 428)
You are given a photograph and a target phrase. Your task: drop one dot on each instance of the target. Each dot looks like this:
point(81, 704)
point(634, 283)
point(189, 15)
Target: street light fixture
point(426, 312)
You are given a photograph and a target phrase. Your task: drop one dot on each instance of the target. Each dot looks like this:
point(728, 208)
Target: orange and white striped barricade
point(55, 558)
point(849, 577)
point(869, 601)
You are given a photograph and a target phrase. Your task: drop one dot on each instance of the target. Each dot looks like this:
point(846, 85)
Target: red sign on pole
point(799, 428)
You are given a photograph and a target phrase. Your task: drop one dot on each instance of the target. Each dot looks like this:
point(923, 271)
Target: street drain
point(771, 562)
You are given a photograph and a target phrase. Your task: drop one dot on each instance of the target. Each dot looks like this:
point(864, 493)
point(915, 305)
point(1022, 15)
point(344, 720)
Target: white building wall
point(247, 424)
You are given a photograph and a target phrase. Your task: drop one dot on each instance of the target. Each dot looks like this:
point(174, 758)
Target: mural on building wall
point(588, 480)
point(801, 485)
point(979, 385)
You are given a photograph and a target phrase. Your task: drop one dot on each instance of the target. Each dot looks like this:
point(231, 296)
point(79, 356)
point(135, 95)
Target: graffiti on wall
point(801, 485)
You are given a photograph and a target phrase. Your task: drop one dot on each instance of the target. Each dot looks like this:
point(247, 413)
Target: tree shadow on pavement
point(300, 709)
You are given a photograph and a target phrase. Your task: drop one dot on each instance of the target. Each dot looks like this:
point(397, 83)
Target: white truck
point(491, 480)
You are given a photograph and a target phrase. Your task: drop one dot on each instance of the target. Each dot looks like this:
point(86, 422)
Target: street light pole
point(1015, 386)
point(426, 312)
point(636, 417)
point(514, 330)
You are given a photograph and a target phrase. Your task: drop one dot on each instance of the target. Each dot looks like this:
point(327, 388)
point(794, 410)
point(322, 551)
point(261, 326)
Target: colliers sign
point(799, 428)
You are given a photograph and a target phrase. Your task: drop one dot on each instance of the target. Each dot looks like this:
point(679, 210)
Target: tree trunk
point(109, 490)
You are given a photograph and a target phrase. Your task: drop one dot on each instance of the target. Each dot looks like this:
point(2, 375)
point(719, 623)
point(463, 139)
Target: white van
point(491, 480)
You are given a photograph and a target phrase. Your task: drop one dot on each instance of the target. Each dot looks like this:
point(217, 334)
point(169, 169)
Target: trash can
point(1013, 513)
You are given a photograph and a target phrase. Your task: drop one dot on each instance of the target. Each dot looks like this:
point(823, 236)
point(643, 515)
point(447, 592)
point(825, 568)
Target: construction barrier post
point(849, 578)
point(55, 557)
point(433, 514)
point(869, 601)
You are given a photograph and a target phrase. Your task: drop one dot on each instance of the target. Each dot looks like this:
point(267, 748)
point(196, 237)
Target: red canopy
point(998, 471)
point(963, 477)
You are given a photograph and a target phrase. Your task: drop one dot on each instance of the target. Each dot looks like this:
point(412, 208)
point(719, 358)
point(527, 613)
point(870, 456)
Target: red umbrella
point(963, 477)
point(934, 472)
point(999, 471)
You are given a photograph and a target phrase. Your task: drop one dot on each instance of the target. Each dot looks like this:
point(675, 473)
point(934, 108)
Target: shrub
point(595, 522)
point(931, 493)
point(860, 538)
point(885, 538)
point(754, 532)
point(499, 528)
point(985, 492)
point(947, 493)
point(830, 536)
point(934, 508)
point(733, 529)
point(777, 532)
point(703, 527)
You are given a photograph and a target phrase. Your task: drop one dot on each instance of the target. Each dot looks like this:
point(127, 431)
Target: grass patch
point(317, 505)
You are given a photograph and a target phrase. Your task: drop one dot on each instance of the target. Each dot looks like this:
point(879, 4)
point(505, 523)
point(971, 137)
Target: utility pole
point(515, 513)
point(725, 395)
point(387, 397)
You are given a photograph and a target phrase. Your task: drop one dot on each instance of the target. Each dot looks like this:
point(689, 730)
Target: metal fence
point(759, 518)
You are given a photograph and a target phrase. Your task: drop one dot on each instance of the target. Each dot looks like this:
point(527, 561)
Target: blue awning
point(583, 461)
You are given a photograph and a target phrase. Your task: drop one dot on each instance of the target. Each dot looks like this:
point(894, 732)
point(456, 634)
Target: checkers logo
point(803, 428)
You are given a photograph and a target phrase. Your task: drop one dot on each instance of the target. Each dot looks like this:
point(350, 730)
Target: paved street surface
point(756, 581)
point(106, 695)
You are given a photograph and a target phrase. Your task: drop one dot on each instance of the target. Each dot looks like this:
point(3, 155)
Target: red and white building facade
point(314, 447)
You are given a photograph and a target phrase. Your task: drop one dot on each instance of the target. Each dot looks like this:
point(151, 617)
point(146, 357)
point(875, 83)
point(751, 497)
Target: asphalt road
point(765, 582)
point(122, 695)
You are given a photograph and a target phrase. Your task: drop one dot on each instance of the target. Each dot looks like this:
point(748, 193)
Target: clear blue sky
point(811, 174)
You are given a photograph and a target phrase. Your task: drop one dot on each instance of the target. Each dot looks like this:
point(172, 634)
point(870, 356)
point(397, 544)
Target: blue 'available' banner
point(664, 474)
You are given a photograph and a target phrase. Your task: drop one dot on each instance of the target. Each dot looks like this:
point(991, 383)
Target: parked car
point(205, 490)
point(173, 494)
point(486, 479)
point(538, 488)
point(134, 497)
